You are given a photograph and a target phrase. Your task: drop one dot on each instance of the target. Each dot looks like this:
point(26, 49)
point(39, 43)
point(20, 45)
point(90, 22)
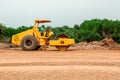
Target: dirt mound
point(7, 46)
point(105, 44)
point(5, 39)
point(5, 42)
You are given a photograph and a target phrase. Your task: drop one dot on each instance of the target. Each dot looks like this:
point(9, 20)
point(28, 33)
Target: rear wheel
point(29, 43)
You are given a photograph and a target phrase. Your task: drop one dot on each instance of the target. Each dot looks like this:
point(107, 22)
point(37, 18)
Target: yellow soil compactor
point(33, 39)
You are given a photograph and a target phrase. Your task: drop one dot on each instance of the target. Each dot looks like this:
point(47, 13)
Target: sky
point(15, 13)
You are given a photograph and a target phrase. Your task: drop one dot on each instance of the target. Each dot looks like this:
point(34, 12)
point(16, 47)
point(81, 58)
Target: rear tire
point(29, 43)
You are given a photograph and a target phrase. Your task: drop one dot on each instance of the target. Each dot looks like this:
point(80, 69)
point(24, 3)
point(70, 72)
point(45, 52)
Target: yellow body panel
point(62, 42)
point(16, 39)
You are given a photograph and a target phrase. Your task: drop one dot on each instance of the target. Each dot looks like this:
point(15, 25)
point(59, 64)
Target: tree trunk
point(105, 35)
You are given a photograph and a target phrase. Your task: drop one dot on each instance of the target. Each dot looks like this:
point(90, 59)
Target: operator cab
point(44, 33)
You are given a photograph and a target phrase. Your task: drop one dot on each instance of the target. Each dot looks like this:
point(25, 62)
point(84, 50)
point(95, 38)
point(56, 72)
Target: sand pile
point(8, 46)
point(105, 44)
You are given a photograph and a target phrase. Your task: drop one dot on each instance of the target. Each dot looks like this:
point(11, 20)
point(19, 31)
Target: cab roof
point(42, 21)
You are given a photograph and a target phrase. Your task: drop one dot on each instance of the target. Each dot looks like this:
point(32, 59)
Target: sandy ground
point(59, 65)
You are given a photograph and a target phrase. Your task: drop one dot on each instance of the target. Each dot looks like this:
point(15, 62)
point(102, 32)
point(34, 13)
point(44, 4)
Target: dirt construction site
point(83, 61)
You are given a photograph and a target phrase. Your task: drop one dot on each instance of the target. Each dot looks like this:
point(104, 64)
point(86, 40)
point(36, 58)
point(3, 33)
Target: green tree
point(2, 27)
